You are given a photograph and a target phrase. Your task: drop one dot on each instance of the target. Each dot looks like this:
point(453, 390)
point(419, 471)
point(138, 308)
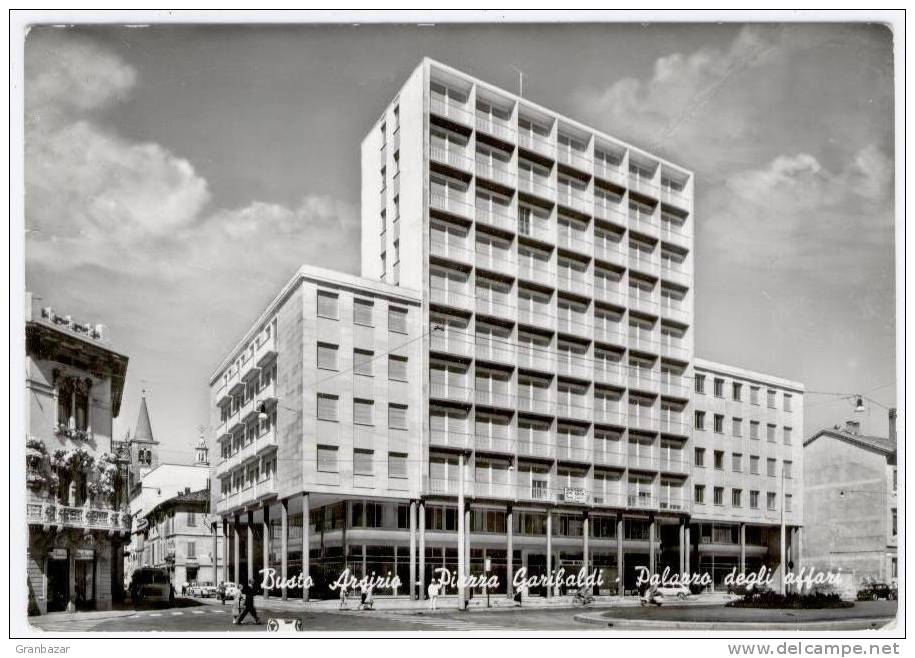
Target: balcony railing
point(574, 326)
point(576, 243)
point(538, 144)
point(541, 273)
point(446, 487)
point(609, 334)
point(538, 229)
point(452, 343)
point(536, 405)
point(675, 235)
point(454, 204)
point(492, 350)
point(676, 313)
point(610, 295)
point(265, 349)
point(494, 399)
point(608, 497)
point(672, 350)
point(573, 283)
point(502, 490)
point(645, 265)
point(449, 439)
point(573, 366)
point(643, 185)
point(609, 416)
point(644, 304)
point(678, 275)
point(500, 218)
point(50, 513)
point(455, 250)
point(643, 380)
point(643, 342)
point(643, 501)
point(611, 253)
point(455, 298)
point(496, 173)
point(675, 197)
point(573, 411)
point(608, 458)
point(499, 307)
point(452, 156)
point(495, 127)
point(647, 423)
point(266, 441)
point(489, 443)
point(674, 465)
point(454, 393)
point(609, 172)
point(608, 374)
point(676, 503)
point(537, 316)
point(675, 387)
point(450, 109)
point(577, 159)
point(575, 200)
point(536, 359)
point(502, 263)
point(533, 492)
point(610, 212)
point(540, 188)
point(644, 222)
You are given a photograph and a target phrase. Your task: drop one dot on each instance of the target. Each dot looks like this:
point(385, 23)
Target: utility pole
point(784, 564)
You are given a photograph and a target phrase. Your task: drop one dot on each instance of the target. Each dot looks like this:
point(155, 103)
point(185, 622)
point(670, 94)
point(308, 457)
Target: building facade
point(318, 421)
point(850, 483)
point(76, 503)
point(747, 465)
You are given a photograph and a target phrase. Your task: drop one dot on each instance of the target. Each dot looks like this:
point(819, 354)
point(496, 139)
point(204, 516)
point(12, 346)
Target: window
point(383, 137)
point(895, 530)
point(770, 433)
point(397, 464)
point(397, 368)
point(327, 304)
point(754, 395)
point(362, 362)
point(327, 459)
point(770, 467)
point(700, 383)
point(770, 500)
point(397, 243)
point(786, 402)
point(719, 460)
point(754, 499)
point(363, 312)
point(384, 264)
point(397, 320)
point(737, 462)
point(736, 391)
point(737, 426)
point(699, 457)
point(327, 356)
point(72, 405)
point(699, 494)
point(719, 423)
point(787, 502)
point(327, 406)
point(786, 468)
point(754, 429)
point(362, 462)
point(363, 412)
point(719, 388)
point(786, 436)
point(770, 398)
point(191, 519)
point(700, 420)
point(735, 497)
point(397, 416)
point(719, 495)
point(396, 118)
point(754, 464)
point(191, 551)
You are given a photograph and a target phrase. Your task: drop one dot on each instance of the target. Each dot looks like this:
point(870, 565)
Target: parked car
point(151, 585)
point(875, 591)
point(678, 591)
point(208, 591)
point(201, 590)
point(229, 590)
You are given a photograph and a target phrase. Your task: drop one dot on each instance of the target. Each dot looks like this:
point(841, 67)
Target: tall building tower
point(556, 267)
point(144, 453)
point(202, 452)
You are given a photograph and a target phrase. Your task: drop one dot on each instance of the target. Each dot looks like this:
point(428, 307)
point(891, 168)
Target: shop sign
point(58, 554)
point(85, 553)
point(574, 495)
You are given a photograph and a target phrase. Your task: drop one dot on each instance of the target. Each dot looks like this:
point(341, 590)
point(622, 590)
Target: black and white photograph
point(458, 324)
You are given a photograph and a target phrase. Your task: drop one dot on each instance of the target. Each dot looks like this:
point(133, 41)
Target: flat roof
point(744, 373)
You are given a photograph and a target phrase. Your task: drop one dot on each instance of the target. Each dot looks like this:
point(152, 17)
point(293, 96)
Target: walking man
point(247, 592)
point(433, 592)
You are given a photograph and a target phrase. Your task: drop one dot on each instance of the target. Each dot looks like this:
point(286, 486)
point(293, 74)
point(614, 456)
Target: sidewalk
point(94, 615)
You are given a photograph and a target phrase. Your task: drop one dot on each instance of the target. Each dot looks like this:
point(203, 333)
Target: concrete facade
point(851, 504)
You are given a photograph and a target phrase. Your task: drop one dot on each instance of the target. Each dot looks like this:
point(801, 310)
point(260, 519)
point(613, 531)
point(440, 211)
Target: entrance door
point(536, 567)
point(58, 583)
point(85, 584)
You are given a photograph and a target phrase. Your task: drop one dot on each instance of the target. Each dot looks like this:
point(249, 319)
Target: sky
point(177, 176)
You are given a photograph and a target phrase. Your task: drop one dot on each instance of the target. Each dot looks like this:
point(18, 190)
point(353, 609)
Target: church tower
point(203, 452)
point(144, 453)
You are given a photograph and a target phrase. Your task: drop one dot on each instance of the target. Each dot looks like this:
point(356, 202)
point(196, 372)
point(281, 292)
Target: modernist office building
point(550, 378)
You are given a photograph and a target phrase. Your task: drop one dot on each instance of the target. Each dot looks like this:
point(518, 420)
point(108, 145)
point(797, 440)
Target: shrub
point(791, 601)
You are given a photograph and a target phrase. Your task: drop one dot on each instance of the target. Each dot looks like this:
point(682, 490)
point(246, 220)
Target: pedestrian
point(343, 596)
point(222, 592)
point(519, 590)
point(433, 592)
point(247, 593)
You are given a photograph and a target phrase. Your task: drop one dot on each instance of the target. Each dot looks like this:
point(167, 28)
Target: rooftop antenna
point(520, 80)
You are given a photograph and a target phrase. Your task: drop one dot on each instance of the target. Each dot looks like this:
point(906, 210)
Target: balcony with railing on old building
point(675, 190)
point(536, 268)
point(609, 164)
point(674, 385)
point(535, 310)
point(610, 248)
point(535, 136)
point(450, 153)
point(574, 195)
point(643, 177)
point(675, 230)
point(494, 299)
point(643, 296)
point(535, 182)
point(675, 267)
point(451, 199)
point(532, 356)
point(450, 289)
point(573, 361)
point(536, 224)
point(675, 343)
point(495, 349)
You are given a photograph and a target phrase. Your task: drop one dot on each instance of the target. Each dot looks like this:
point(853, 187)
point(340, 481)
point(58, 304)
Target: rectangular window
point(327, 356)
point(700, 383)
point(362, 412)
point(362, 462)
point(788, 503)
point(397, 368)
point(719, 460)
point(786, 468)
point(735, 497)
point(191, 550)
point(719, 495)
point(700, 420)
point(719, 388)
point(786, 436)
point(736, 391)
point(397, 320)
point(699, 494)
point(719, 423)
point(699, 457)
point(786, 402)
point(191, 519)
point(770, 500)
point(770, 398)
point(737, 462)
point(754, 500)
point(363, 312)
point(397, 416)
point(754, 464)
point(327, 304)
point(770, 467)
point(754, 395)
point(362, 362)
point(397, 465)
point(770, 433)
point(327, 459)
point(737, 427)
point(754, 429)
point(327, 406)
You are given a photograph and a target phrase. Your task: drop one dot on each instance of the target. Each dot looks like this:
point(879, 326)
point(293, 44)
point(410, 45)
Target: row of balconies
point(264, 352)
point(253, 492)
point(264, 442)
point(237, 419)
point(548, 147)
point(50, 514)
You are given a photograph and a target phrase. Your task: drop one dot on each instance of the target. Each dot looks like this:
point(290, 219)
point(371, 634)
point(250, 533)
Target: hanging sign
point(85, 553)
point(58, 554)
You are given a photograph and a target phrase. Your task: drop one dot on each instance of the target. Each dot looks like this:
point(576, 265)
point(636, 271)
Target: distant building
point(850, 491)
point(75, 502)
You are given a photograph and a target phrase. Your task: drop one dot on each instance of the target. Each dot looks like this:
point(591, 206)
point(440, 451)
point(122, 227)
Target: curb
point(857, 623)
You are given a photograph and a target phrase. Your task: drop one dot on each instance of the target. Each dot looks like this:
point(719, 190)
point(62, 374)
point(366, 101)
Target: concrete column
point(799, 553)
point(422, 551)
point(225, 551)
point(250, 547)
point(461, 530)
point(284, 544)
point(236, 543)
point(586, 531)
point(306, 542)
point(689, 547)
point(413, 587)
point(467, 539)
point(619, 554)
point(509, 550)
point(266, 540)
point(681, 537)
point(652, 534)
point(549, 550)
point(743, 548)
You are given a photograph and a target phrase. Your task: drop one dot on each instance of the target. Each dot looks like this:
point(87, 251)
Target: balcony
point(573, 366)
point(266, 441)
point(535, 406)
point(537, 228)
point(267, 393)
point(573, 411)
point(489, 443)
point(576, 200)
point(537, 272)
point(642, 500)
point(678, 350)
point(453, 298)
point(675, 387)
point(676, 313)
point(451, 156)
point(574, 284)
point(540, 144)
point(542, 449)
point(265, 488)
point(643, 342)
point(610, 334)
point(535, 359)
point(496, 217)
point(452, 393)
point(643, 185)
point(265, 349)
point(537, 316)
point(644, 422)
point(610, 295)
point(574, 327)
point(611, 252)
point(501, 263)
point(446, 486)
point(495, 127)
point(608, 374)
point(675, 235)
point(647, 304)
point(676, 465)
point(679, 275)
point(534, 492)
point(674, 197)
point(49, 513)
point(610, 212)
point(494, 399)
point(609, 458)
point(383, 198)
point(643, 380)
point(496, 307)
point(496, 173)
point(675, 503)
point(456, 204)
point(576, 243)
point(645, 264)
point(611, 173)
point(609, 417)
point(451, 109)
point(608, 498)
point(497, 351)
point(575, 159)
point(501, 490)
point(449, 439)
point(451, 343)
point(455, 250)
point(538, 187)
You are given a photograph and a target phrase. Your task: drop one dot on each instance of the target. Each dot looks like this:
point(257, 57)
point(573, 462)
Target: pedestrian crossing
point(438, 623)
